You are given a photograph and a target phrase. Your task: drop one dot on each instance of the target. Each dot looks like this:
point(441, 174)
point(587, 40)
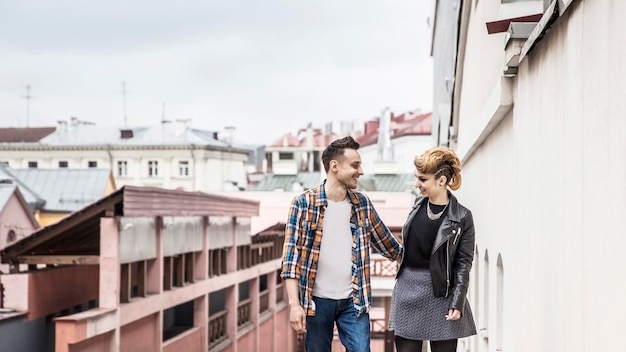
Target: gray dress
point(417, 314)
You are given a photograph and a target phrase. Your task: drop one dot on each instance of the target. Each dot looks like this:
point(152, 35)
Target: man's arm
point(290, 267)
point(291, 249)
point(382, 238)
point(297, 318)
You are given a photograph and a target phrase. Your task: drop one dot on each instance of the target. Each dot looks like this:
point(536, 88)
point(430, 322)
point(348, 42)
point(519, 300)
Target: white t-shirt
point(334, 267)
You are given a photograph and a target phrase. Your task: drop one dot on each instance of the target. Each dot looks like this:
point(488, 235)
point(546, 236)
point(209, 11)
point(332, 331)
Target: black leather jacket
point(452, 254)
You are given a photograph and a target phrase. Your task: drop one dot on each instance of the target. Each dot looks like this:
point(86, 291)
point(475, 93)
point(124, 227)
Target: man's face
point(347, 169)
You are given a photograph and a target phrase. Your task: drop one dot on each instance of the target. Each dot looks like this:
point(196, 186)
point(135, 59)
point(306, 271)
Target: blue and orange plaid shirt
point(303, 237)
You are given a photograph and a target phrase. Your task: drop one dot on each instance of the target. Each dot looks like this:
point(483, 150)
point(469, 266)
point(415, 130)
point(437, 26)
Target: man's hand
point(297, 318)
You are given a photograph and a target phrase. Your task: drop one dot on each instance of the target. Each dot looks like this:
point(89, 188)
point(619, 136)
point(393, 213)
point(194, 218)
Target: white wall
point(405, 150)
point(208, 170)
point(546, 188)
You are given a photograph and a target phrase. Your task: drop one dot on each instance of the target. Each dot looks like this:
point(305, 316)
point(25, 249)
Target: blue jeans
point(354, 332)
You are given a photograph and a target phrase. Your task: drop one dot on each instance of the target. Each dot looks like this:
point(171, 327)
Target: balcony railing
point(378, 327)
point(217, 328)
point(280, 293)
point(243, 312)
point(264, 301)
point(381, 266)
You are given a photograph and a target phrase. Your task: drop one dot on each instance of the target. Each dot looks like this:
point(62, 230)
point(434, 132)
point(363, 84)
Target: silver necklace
point(433, 216)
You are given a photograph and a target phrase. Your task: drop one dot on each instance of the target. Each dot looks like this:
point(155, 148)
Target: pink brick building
point(147, 269)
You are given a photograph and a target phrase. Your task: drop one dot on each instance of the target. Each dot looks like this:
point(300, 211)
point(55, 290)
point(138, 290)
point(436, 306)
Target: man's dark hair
point(335, 150)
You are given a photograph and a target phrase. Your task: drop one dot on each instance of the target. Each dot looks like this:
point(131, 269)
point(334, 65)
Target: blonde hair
point(441, 161)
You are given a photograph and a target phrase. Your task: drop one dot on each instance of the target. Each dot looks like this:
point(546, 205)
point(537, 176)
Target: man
point(326, 255)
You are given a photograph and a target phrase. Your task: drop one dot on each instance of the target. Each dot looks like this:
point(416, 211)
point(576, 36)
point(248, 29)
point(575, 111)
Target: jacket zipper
point(447, 267)
point(457, 236)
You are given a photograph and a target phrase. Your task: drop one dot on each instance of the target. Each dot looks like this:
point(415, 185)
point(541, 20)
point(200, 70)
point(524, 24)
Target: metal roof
point(387, 183)
point(6, 191)
point(273, 182)
point(78, 234)
point(164, 134)
point(33, 200)
point(308, 180)
point(65, 190)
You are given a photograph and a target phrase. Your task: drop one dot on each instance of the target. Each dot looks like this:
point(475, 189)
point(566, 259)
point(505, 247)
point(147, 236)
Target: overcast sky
point(266, 67)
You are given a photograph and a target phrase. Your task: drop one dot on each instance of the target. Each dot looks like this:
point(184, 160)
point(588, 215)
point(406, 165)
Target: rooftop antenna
point(124, 97)
point(124, 91)
point(162, 112)
point(28, 97)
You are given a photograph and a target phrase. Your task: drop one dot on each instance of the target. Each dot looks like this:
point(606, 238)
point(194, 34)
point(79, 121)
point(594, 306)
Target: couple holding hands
point(326, 256)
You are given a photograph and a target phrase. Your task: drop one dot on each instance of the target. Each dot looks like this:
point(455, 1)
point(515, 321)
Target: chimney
point(229, 134)
point(62, 126)
point(385, 149)
point(126, 134)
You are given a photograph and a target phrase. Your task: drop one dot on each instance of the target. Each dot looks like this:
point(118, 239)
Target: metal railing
point(280, 292)
point(217, 328)
point(383, 267)
point(264, 301)
point(243, 312)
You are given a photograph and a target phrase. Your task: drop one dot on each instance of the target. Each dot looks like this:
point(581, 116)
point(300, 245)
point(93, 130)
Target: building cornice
point(110, 147)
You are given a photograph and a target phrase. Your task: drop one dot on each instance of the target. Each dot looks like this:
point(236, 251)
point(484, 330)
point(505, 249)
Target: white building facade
point(536, 112)
point(168, 156)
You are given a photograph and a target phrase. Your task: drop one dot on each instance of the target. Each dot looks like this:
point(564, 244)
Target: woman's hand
point(453, 314)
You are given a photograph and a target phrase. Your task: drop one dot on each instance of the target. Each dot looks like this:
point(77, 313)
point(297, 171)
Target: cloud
point(280, 64)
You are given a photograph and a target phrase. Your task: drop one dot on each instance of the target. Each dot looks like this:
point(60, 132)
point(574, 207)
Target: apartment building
point(148, 269)
point(171, 155)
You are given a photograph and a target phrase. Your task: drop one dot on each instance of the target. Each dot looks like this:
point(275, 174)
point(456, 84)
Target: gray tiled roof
point(374, 183)
point(6, 190)
point(387, 183)
point(273, 182)
point(65, 189)
point(33, 200)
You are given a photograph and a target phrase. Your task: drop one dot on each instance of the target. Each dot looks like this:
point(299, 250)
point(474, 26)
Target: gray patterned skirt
point(417, 314)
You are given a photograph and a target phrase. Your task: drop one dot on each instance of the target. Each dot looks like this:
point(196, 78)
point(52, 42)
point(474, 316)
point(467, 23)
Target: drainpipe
point(192, 148)
point(110, 159)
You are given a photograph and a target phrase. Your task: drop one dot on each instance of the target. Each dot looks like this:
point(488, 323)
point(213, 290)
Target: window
point(32, 164)
point(11, 236)
point(92, 164)
point(122, 168)
point(153, 168)
point(183, 168)
point(178, 319)
point(285, 156)
point(63, 164)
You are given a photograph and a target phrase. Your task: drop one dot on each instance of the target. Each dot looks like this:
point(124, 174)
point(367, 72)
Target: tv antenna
point(28, 98)
point(124, 92)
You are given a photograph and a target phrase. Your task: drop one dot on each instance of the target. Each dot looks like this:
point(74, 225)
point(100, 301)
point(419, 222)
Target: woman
point(429, 299)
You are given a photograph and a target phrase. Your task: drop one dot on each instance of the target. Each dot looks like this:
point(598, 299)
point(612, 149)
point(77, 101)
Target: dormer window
point(126, 134)
point(11, 236)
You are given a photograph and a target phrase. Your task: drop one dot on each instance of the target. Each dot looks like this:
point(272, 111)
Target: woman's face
point(428, 186)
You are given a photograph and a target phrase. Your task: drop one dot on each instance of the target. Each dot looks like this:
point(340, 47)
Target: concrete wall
point(188, 341)
point(546, 187)
point(140, 335)
point(45, 292)
point(14, 217)
point(97, 343)
point(19, 335)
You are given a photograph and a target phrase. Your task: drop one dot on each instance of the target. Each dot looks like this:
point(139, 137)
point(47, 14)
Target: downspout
point(464, 14)
point(192, 148)
point(110, 158)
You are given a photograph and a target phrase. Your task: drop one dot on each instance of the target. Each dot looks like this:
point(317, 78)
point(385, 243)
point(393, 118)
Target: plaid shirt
point(303, 236)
